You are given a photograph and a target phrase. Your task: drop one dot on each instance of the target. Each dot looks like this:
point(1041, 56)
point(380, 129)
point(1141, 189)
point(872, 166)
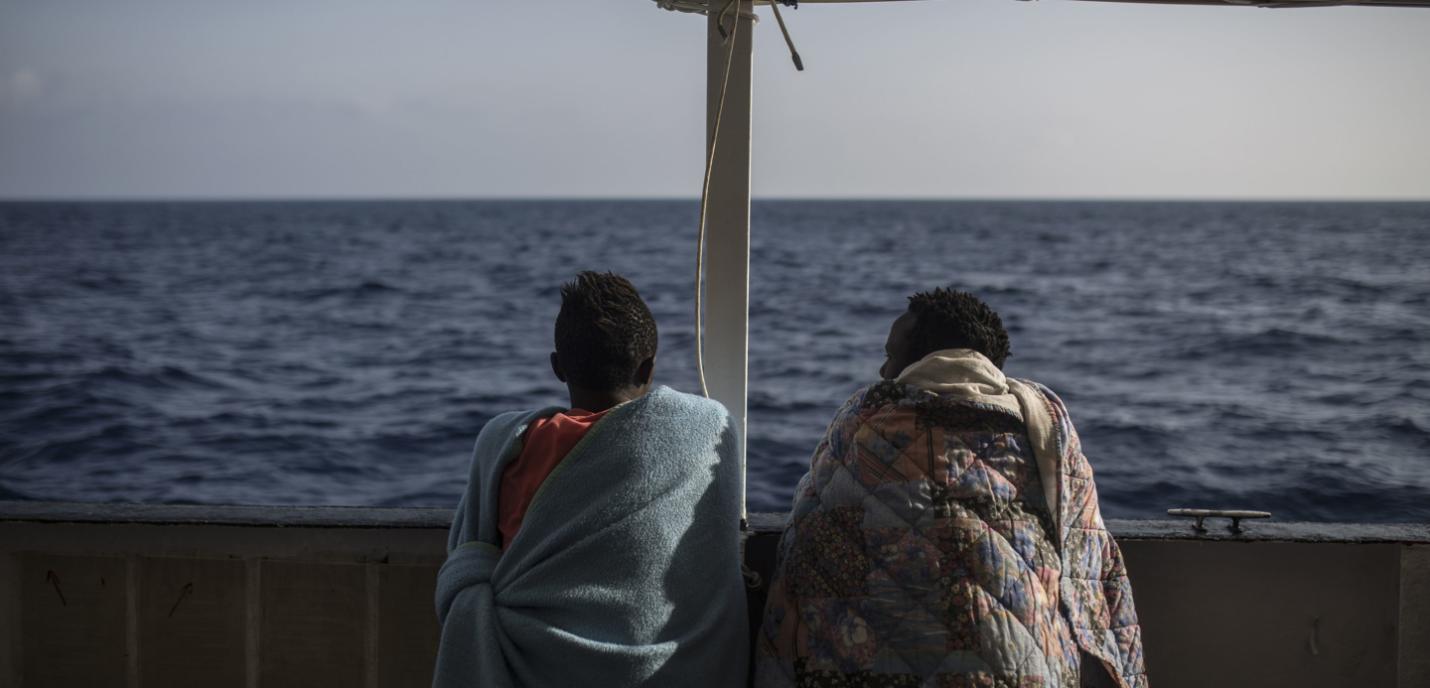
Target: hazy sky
point(479, 98)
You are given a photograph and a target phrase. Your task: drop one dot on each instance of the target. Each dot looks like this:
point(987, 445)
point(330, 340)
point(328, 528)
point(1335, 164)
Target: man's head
point(943, 319)
point(605, 337)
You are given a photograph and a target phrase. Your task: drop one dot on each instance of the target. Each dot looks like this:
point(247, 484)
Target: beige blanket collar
point(963, 374)
point(968, 375)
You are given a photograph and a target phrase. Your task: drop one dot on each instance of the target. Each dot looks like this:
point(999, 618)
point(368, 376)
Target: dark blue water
point(1271, 356)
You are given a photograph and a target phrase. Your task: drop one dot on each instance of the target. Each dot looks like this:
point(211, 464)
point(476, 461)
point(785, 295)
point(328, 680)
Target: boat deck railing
point(247, 596)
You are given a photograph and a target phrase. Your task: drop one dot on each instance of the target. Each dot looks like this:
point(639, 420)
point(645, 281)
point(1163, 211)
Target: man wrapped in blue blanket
point(598, 545)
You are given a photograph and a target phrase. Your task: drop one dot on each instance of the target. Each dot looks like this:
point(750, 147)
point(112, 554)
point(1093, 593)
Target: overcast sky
point(478, 98)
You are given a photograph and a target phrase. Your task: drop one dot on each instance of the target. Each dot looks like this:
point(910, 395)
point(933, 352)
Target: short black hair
point(952, 319)
point(603, 332)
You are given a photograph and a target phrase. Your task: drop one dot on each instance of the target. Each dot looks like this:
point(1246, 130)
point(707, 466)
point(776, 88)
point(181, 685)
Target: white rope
point(705, 195)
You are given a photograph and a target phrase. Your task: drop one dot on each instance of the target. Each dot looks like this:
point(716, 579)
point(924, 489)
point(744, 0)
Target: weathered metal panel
point(1293, 604)
point(407, 626)
point(313, 630)
point(1266, 614)
point(273, 540)
point(10, 629)
point(191, 622)
point(73, 621)
point(1415, 616)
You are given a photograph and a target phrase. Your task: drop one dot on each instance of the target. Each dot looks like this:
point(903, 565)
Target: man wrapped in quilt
point(947, 532)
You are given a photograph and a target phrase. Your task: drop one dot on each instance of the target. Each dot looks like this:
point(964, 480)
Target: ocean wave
point(358, 291)
point(333, 353)
point(1270, 342)
point(1414, 430)
point(163, 377)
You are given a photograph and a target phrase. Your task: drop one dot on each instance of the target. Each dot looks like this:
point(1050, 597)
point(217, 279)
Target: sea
point(1267, 356)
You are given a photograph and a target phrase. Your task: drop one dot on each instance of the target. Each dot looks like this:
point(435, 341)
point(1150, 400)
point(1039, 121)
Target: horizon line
point(696, 199)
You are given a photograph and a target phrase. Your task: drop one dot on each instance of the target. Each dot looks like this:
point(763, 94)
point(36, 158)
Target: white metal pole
point(727, 254)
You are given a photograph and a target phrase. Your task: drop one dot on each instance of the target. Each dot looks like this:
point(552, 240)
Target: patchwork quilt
point(921, 551)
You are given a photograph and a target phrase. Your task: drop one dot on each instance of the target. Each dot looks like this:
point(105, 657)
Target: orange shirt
point(545, 443)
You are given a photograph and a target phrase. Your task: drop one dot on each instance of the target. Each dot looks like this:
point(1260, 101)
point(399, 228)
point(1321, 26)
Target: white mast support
point(727, 234)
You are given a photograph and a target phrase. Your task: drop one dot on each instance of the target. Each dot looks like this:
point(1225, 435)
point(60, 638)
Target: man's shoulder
point(1035, 385)
point(890, 396)
point(510, 416)
point(667, 398)
point(909, 407)
point(1044, 390)
point(510, 422)
point(523, 415)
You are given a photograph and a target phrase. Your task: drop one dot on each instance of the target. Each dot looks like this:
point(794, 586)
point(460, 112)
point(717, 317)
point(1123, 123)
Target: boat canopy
point(703, 6)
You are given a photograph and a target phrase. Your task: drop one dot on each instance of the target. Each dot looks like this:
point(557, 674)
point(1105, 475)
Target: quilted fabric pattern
point(921, 552)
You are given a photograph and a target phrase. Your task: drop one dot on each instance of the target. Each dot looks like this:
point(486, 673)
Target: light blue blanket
point(626, 569)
